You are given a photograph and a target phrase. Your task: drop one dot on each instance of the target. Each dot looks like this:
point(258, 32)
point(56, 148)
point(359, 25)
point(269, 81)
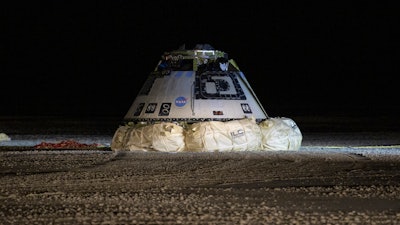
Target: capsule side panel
point(191, 96)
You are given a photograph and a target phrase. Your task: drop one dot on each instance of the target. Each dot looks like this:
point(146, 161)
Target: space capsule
point(199, 100)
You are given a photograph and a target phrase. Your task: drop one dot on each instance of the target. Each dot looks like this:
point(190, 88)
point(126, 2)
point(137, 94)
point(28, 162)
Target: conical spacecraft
point(201, 84)
point(199, 100)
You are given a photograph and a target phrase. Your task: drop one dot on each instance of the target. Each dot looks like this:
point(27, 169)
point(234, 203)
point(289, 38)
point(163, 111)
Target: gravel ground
point(349, 177)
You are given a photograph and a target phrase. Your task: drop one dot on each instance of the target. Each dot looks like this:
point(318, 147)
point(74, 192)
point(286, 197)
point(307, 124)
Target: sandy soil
point(337, 177)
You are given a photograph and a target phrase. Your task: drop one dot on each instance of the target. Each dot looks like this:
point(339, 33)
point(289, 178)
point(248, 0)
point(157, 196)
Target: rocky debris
point(68, 144)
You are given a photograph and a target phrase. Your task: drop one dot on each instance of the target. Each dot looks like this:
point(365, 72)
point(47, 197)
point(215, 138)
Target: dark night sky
point(89, 58)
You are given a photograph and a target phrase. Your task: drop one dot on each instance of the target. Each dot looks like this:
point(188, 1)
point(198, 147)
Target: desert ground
point(347, 171)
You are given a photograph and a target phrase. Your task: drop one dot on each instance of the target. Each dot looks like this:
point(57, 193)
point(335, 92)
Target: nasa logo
point(180, 101)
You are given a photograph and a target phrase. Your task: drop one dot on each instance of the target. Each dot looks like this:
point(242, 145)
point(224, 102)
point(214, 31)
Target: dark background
point(89, 58)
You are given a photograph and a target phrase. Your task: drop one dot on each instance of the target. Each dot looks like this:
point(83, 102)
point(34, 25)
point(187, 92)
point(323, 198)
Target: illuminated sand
point(337, 178)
